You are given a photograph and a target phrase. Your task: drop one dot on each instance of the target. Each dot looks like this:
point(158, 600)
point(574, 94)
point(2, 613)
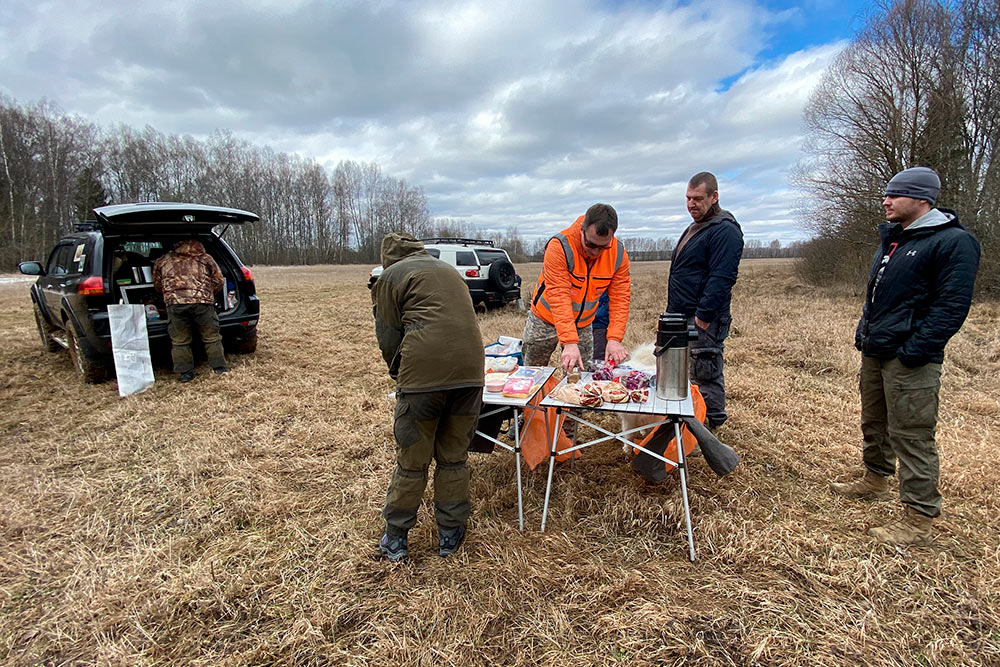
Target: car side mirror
point(31, 269)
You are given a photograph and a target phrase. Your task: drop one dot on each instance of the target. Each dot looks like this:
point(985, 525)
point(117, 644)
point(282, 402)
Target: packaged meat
point(614, 392)
point(640, 395)
point(605, 370)
point(591, 395)
point(567, 393)
point(517, 387)
point(635, 379)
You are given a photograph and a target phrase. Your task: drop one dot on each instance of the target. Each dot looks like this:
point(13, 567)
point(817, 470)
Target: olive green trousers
point(438, 426)
point(899, 407)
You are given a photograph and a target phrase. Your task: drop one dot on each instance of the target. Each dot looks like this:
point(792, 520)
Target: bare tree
point(917, 86)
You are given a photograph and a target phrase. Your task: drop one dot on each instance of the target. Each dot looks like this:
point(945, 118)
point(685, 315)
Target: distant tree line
point(917, 86)
point(55, 168)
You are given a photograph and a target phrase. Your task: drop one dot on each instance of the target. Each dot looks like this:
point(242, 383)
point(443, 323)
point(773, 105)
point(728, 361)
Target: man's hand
point(615, 352)
point(571, 357)
point(700, 323)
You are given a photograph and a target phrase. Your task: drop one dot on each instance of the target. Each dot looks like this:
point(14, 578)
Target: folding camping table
point(503, 403)
point(671, 413)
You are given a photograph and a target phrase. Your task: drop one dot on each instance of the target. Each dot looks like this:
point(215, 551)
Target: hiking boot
point(914, 529)
point(869, 487)
point(394, 547)
point(219, 370)
point(187, 376)
point(449, 539)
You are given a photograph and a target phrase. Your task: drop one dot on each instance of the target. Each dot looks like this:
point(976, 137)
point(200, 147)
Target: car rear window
point(490, 256)
point(466, 258)
point(434, 252)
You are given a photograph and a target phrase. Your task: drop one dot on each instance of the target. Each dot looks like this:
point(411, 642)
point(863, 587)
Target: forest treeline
point(54, 168)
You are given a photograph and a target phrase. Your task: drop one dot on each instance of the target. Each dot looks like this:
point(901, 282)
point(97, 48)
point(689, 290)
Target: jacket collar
point(929, 223)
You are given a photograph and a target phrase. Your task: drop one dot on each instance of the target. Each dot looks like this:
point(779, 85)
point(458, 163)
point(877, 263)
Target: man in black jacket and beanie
point(919, 294)
point(703, 269)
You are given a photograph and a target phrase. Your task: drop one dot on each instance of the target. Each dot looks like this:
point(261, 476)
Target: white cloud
point(507, 114)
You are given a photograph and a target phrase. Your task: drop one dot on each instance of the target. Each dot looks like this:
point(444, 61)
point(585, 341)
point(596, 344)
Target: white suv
point(487, 270)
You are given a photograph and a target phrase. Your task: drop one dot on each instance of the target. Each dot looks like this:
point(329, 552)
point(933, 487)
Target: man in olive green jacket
point(426, 327)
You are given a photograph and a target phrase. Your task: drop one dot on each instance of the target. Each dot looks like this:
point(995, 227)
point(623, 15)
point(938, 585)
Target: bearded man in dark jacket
point(919, 293)
point(427, 330)
point(703, 269)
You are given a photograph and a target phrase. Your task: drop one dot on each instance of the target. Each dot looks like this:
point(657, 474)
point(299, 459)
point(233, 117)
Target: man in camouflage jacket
point(188, 278)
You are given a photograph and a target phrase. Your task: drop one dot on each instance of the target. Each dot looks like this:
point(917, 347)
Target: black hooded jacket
point(921, 297)
point(703, 273)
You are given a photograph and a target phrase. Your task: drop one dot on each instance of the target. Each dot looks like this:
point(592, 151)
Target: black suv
point(110, 260)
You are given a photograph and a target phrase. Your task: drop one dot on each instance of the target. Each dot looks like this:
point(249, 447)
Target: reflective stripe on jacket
point(569, 287)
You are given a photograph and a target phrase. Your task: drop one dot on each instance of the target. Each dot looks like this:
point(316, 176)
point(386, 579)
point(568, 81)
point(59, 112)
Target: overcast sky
point(506, 114)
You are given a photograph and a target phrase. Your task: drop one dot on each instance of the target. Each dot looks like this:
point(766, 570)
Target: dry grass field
point(232, 521)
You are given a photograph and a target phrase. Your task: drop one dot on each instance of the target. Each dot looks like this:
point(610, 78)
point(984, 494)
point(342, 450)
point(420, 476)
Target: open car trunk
point(132, 258)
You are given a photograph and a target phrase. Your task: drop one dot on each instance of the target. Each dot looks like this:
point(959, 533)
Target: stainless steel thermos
point(672, 356)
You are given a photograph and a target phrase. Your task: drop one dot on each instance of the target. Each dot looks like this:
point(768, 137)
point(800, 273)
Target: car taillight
point(472, 273)
point(247, 274)
point(91, 286)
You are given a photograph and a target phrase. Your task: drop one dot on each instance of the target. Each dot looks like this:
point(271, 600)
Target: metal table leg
point(552, 465)
point(517, 467)
point(682, 467)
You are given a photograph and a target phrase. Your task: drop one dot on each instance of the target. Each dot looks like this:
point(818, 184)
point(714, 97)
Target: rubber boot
point(914, 529)
point(869, 487)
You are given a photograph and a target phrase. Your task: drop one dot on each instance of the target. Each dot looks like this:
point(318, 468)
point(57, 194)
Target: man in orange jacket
point(581, 263)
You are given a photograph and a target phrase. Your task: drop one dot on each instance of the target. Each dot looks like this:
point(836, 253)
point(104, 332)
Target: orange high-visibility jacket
point(569, 286)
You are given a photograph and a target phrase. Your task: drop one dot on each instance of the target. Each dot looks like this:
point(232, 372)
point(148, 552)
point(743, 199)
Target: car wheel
point(90, 372)
point(45, 330)
point(245, 345)
point(502, 275)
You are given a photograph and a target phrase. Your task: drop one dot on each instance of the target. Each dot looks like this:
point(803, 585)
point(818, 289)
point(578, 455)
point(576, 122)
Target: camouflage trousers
point(539, 341)
point(182, 319)
point(706, 368)
point(438, 426)
point(899, 407)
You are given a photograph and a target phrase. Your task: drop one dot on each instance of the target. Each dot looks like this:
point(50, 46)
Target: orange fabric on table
point(536, 439)
point(690, 442)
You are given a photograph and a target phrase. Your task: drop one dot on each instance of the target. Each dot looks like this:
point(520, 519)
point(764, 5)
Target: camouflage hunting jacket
point(187, 274)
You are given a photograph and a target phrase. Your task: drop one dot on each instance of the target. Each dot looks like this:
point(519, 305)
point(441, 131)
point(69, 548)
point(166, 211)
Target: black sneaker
point(393, 547)
point(187, 376)
point(219, 370)
point(449, 539)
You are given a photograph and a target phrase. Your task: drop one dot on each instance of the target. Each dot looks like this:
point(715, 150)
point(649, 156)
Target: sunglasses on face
point(594, 246)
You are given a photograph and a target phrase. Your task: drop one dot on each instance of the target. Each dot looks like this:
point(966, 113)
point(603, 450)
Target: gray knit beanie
point(915, 182)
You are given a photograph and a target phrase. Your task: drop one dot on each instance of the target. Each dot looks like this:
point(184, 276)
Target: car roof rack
point(458, 241)
point(86, 226)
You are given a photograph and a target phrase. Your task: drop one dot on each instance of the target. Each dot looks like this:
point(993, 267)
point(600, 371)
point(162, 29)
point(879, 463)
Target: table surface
point(652, 406)
point(496, 398)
